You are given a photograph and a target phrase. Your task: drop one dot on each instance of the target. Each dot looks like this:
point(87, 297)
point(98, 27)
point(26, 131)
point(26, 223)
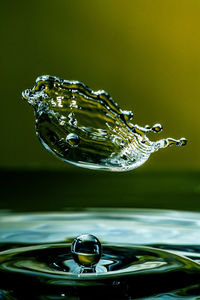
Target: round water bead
point(86, 250)
point(72, 139)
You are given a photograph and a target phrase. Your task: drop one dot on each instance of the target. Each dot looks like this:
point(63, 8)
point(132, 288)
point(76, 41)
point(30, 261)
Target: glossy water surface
point(146, 254)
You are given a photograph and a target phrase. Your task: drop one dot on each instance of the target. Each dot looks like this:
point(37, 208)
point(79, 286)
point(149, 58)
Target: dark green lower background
point(63, 190)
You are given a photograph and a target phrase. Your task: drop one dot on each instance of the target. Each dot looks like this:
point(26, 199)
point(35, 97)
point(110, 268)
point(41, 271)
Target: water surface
point(147, 254)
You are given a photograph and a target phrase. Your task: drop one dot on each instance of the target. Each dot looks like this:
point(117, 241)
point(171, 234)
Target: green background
point(146, 54)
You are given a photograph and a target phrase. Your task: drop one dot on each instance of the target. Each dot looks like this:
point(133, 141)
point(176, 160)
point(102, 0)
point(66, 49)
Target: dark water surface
point(148, 253)
point(60, 190)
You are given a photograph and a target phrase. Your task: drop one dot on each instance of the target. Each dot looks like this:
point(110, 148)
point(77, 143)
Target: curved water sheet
point(147, 254)
point(87, 128)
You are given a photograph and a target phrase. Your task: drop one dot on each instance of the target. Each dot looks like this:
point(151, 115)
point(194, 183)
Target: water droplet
point(183, 141)
point(73, 140)
point(157, 128)
point(86, 251)
point(102, 131)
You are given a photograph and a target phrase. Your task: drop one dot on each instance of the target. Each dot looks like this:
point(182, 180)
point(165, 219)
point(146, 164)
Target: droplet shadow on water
point(36, 252)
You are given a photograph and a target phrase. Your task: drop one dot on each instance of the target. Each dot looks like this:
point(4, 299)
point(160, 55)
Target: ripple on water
point(146, 253)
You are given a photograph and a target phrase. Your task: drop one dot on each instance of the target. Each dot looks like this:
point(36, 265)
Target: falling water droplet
point(88, 129)
point(86, 251)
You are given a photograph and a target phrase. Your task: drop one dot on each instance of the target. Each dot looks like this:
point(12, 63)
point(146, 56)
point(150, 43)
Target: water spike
point(87, 128)
point(86, 251)
point(164, 143)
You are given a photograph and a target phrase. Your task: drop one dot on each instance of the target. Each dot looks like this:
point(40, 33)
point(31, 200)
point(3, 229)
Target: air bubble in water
point(88, 129)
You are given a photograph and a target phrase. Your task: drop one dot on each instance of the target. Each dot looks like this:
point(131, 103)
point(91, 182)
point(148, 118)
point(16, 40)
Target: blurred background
point(146, 54)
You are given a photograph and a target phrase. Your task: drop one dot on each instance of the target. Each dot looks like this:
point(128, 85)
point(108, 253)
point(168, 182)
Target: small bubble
point(73, 140)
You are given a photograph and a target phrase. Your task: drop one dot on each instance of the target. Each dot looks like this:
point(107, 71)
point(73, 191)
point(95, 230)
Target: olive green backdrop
point(146, 54)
